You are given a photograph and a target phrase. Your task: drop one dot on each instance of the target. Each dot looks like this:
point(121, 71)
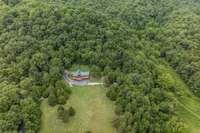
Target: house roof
point(80, 73)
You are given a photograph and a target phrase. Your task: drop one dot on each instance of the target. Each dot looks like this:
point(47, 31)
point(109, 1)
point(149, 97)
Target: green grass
point(188, 105)
point(189, 111)
point(94, 112)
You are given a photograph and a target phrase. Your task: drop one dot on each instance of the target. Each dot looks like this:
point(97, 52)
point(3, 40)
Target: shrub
point(60, 111)
point(52, 100)
point(71, 111)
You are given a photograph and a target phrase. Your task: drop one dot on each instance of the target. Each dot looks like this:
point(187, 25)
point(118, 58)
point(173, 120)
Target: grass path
point(94, 112)
point(188, 109)
point(188, 105)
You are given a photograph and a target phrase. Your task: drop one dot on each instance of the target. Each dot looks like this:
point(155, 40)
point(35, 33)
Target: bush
point(66, 116)
point(52, 100)
point(88, 131)
point(60, 111)
point(61, 100)
point(71, 111)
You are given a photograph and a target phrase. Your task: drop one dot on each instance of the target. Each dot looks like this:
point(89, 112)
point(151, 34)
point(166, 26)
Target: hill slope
point(188, 105)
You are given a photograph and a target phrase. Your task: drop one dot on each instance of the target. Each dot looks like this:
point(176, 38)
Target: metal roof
point(80, 73)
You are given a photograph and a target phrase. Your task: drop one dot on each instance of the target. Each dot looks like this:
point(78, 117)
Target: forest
point(137, 45)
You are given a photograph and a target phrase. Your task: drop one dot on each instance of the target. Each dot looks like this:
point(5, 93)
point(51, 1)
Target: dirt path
point(95, 83)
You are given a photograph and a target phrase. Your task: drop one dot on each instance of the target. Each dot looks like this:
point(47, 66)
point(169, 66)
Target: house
point(77, 78)
point(79, 75)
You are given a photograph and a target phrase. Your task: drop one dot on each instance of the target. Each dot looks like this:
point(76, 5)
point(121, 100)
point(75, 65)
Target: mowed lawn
point(94, 112)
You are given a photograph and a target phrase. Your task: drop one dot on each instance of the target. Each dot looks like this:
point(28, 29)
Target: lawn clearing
point(94, 112)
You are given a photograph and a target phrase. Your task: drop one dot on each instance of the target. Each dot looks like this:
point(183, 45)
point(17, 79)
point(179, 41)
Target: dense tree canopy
point(123, 40)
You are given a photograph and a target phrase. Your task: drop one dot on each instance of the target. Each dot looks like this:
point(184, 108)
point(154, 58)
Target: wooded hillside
point(125, 41)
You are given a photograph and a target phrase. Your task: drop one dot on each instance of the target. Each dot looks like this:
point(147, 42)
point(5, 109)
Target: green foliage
point(31, 114)
point(71, 111)
point(52, 100)
point(60, 111)
point(122, 40)
point(58, 94)
point(65, 114)
point(11, 2)
point(88, 131)
point(181, 46)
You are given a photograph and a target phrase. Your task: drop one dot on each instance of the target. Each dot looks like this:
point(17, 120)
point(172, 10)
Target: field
point(94, 112)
